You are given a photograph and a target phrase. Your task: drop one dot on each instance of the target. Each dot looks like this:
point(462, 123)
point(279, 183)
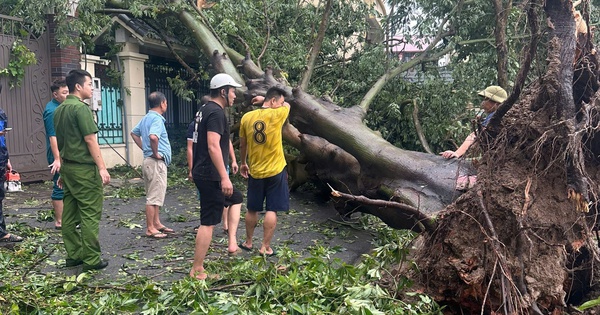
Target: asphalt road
point(129, 251)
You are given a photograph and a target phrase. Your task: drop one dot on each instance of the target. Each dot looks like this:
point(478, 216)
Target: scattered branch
point(36, 263)
point(420, 217)
point(228, 286)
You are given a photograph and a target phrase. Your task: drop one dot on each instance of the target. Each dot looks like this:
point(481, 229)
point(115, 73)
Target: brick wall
point(62, 60)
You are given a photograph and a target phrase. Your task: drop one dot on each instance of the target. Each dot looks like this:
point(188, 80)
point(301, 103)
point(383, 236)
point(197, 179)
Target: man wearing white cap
point(209, 171)
point(493, 96)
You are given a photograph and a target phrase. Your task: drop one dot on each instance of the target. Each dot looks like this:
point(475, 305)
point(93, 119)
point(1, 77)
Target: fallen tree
point(520, 240)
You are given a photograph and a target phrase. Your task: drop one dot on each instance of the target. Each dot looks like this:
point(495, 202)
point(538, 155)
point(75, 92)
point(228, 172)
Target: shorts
point(155, 181)
point(57, 192)
point(274, 189)
point(212, 201)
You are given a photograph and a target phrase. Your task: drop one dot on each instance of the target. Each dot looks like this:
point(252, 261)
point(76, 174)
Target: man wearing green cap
point(493, 96)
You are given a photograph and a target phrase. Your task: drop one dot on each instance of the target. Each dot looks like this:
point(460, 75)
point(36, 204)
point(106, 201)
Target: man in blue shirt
point(151, 136)
point(59, 94)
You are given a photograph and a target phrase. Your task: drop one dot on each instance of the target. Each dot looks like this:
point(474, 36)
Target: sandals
point(166, 230)
point(243, 246)
point(157, 235)
point(11, 239)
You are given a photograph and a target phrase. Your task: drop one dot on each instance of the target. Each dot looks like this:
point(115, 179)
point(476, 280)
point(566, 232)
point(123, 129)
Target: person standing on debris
point(150, 135)
point(261, 147)
point(5, 167)
point(211, 155)
point(493, 96)
point(83, 173)
point(59, 94)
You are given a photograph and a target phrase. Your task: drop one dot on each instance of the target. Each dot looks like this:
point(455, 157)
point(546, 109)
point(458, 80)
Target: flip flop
point(274, 253)
point(156, 235)
point(244, 247)
point(166, 230)
point(11, 239)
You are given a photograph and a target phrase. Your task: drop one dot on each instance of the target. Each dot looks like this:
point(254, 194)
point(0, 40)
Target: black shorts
point(212, 201)
point(274, 189)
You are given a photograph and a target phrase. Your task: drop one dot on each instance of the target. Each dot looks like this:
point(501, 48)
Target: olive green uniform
point(82, 183)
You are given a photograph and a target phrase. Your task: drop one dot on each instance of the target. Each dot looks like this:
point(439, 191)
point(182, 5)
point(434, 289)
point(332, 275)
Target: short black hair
point(214, 93)
point(57, 84)
point(274, 92)
point(76, 77)
point(155, 99)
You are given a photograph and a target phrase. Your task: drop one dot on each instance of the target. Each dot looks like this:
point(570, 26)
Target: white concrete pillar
point(132, 64)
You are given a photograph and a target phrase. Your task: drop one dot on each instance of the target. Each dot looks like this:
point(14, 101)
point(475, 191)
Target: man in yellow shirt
point(261, 147)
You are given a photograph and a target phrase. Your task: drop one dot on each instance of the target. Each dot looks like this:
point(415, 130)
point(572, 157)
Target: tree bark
point(500, 40)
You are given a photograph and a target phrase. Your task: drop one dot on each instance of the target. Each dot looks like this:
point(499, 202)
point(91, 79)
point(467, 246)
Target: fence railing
point(110, 118)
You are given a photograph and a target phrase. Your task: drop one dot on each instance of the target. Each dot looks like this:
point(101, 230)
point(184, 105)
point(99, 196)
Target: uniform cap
point(221, 80)
point(495, 93)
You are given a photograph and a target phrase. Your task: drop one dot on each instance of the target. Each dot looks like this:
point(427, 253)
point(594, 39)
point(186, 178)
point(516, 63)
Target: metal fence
point(110, 118)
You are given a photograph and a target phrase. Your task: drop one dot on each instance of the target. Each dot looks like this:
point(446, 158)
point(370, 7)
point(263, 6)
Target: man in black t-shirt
point(209, 171)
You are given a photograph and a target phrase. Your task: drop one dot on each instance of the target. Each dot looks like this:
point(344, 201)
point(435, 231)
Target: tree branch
point(167, 42)
point(376, 88)
point(420, 217)
point(420, 133)
point(316, 49)
point(262, 52)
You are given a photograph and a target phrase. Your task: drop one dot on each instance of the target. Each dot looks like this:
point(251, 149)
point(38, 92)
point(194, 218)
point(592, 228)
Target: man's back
point(262, 130)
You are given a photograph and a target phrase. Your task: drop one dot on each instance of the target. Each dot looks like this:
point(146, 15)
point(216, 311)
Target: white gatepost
point(134, 95)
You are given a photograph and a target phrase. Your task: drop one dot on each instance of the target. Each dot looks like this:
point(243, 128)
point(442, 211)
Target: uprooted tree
point(519, 241)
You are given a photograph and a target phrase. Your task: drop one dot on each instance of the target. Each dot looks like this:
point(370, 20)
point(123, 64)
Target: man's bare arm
point(137, 139)
point(55, 166)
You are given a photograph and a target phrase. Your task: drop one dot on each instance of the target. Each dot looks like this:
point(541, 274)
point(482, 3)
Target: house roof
point(151, 43)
